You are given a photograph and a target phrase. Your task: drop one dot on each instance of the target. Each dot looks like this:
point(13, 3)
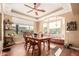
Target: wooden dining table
point(40, 40)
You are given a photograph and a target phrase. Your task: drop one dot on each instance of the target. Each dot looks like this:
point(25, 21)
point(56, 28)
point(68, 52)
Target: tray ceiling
point(50, 8)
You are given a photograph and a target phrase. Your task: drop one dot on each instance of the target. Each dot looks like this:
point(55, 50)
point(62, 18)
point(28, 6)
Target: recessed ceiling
point(48, 7)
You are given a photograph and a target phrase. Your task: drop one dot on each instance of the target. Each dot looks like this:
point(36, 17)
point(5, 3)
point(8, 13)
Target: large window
point(22, 25)
point(55, 27)
point(45, 27)
point(23, 28)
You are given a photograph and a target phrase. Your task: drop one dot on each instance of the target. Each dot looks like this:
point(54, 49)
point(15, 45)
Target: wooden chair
point(26, 40)
point(33, 43)
point(35, 35)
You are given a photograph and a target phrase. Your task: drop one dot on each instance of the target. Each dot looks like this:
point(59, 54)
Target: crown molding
point(14, 11)
point(58, 9)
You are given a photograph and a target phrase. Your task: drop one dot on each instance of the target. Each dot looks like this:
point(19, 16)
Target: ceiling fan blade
point(28, 6)
point(36, 13)
point(41, 10)
point(29, 11)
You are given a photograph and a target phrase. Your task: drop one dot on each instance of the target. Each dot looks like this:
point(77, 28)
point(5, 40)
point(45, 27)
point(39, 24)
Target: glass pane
point(58, 24)
point(31, 27)
point(45, 25)
point(54, 28)
point(55, 24)
point(27, 27)
point(52, 25)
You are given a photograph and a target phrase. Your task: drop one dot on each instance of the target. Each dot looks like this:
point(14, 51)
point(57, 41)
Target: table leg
point(39, 44)
point(48, 44)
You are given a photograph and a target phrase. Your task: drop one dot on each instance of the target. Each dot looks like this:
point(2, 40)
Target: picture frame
point(72, 26)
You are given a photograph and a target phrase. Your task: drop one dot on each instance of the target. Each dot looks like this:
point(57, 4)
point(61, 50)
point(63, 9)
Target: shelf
point(8, 29)
point(6, 22)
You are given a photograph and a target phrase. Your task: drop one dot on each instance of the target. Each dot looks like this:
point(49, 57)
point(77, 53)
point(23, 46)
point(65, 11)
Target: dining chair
point(26, 40)
point(35, 35)
point(29, 42)
point(33, 44)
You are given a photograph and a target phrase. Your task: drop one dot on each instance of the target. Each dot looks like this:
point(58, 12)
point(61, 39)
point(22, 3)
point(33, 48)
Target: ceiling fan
point(34, 8)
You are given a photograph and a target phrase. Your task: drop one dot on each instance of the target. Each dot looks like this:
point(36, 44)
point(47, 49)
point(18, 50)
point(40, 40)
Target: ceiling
point(52, 9)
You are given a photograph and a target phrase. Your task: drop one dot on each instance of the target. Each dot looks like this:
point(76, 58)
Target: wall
point(0, 26)
point(1, 44)
point(0, 21)
point(68, 17)
point(75, 38)
point(71, 37)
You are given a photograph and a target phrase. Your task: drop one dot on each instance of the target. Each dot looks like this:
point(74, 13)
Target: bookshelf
point(8, 33)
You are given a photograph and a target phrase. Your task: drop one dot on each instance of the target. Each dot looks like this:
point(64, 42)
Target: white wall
point(71, 37)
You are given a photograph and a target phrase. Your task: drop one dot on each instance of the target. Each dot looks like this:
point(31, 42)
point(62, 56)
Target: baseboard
point(74, 48)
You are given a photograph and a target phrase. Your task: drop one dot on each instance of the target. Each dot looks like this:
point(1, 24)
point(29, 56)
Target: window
point(45, 27)
point(23, 24)
point(54, 27)
point(25, 28)
point(31, 28)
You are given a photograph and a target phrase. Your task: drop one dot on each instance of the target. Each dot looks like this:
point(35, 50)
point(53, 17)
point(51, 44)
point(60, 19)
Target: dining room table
point(40, 40)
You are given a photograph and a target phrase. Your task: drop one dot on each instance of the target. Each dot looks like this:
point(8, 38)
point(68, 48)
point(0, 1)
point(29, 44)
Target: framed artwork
point(72, 26)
